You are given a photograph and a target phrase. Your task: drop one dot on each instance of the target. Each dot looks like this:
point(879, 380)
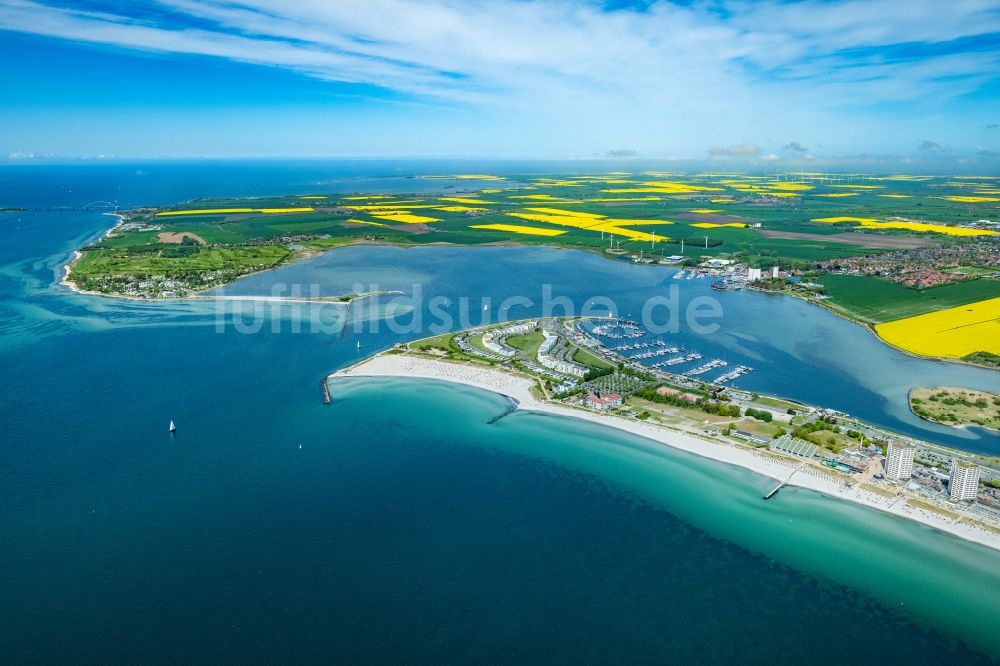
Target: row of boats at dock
point(662, 351)
point(677, 360)
point(619, 329)
point(702, 369)
point(615, 329)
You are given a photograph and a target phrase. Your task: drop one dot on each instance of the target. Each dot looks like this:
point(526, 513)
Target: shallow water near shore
point(404, 527)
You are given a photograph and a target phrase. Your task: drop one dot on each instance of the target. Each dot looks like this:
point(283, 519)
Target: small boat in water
point(173, 428)
point(359, 344)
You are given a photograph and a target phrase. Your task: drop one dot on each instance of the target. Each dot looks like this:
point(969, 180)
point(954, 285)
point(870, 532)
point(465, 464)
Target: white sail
point(172, 426)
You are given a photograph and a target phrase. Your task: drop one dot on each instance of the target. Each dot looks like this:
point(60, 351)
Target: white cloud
point(737, 150)
point(660, 76)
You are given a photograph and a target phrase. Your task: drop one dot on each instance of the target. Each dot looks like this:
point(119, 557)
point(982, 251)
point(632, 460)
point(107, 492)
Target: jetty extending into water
point(514, 405)
point(774, 491)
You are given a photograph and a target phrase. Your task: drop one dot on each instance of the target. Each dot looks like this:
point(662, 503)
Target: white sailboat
point(359, 344)
point(173, 428)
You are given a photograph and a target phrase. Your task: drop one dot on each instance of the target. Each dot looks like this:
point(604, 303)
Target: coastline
point(518, 388)
point(310, 253)
point(65, 281)
point(78, 254)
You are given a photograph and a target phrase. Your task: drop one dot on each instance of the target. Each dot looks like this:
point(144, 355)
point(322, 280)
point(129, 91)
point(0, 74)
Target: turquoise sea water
point(405, 528)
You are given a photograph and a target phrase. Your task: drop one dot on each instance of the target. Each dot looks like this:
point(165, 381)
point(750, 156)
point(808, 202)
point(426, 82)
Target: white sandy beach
point(519, 388)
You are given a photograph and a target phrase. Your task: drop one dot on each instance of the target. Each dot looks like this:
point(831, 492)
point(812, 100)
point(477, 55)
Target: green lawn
point(586, 358)
point(527, 343)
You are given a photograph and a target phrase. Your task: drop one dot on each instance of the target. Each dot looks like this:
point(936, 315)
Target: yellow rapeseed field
point(560, 220)
point(633, 223)
point(789, 186)
point(391, 206)
point(971, 199)
point(405, 217)
point(519, 229)
point(951, 333)
point(571, 213)
point(218, 211)
point(631, 234)
point(663, 187)
point(206, 211)
point(468, 200)
point(549, 182)
point(712, 225)
point(839, 194)
point(934, 228)
point(605, 199)
point(705, 211)
point(922, 227)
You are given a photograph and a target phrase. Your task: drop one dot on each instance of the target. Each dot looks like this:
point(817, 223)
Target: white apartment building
point(964, 484)
point(899, 461)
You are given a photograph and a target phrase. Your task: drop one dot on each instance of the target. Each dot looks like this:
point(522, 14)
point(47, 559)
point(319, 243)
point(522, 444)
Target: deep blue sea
point(395, 525)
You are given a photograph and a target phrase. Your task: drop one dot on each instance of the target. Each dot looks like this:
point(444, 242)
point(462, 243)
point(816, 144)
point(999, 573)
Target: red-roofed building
point(690, 397)
point(604, 401)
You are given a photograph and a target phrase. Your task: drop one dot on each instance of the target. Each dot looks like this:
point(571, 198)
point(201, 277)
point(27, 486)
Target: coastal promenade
point(519, 388)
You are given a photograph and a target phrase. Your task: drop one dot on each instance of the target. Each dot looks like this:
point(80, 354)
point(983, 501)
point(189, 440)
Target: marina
point(702, 369)
point(651, 349)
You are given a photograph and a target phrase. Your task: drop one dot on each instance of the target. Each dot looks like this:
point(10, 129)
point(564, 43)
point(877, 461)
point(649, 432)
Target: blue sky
point(769, 83)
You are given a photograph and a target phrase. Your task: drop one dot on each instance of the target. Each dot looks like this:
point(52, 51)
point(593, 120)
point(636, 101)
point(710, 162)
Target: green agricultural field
point(876, 301)
point(757, 219)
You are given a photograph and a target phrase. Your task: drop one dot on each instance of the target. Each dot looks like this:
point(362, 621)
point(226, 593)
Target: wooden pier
point(774, 491)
